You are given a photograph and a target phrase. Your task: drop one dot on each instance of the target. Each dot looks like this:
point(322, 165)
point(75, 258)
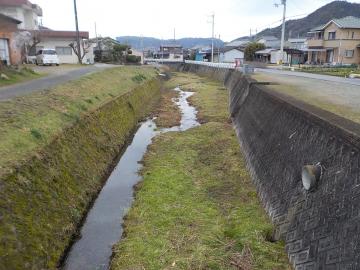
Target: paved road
point(56, 76)
point(310, 76)
point(338, 95)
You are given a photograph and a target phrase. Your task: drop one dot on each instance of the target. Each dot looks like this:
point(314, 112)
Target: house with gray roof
point(336, 42)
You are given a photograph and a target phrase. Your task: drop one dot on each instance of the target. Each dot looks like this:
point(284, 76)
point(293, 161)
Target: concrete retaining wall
point(279, 135)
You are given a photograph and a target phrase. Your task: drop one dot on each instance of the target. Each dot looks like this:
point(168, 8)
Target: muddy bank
point(49, 195)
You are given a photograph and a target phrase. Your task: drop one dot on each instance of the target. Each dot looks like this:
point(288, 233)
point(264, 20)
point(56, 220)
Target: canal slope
point(57, 148)
point(196, 207)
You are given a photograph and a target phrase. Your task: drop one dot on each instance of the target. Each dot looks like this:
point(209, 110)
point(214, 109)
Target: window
point(353, 35)
point(48, 52)
point(331, 35)
point(63, 50)
point(349, 53)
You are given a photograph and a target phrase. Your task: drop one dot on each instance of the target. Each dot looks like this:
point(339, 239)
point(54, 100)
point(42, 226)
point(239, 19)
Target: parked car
point(47, 57)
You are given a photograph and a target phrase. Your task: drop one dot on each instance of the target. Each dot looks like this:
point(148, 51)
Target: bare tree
point(85, 49)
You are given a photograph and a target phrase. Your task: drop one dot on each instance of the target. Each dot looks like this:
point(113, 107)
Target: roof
point(9, 19)
point(170, 46)
point(227, 49)
point(346, 22)
point(268, 38)
point(296, 40)
point(62, 34)
point(14, 3)
point(238, 43)
point(266, 51)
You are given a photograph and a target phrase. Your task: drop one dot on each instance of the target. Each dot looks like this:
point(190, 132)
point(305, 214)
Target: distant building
point(238, 43)
point(229, 54)
point(297, 43)
point(336, 42)
point(170, 52)
point(270, 42)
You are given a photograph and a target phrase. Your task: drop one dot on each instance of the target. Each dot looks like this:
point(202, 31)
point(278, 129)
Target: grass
point(17, 76)
point(168, 114)
point(29, 122)
point(197, 207)
point(333, 71)
point(66, 146)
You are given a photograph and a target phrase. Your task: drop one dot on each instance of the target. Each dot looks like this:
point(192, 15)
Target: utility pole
point(212, 37)
point(77, 32)
point(219, 49)
point(283, 2)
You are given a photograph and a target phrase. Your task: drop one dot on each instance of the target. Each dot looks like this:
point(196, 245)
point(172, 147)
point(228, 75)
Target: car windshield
point(50, 52)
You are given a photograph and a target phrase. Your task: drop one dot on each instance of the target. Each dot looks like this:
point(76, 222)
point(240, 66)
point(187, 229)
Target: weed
point(138, 78)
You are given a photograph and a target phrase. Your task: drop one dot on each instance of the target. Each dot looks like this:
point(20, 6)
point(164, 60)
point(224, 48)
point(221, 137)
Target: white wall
point(66, 59)
point(276, 57)
point(229, 56)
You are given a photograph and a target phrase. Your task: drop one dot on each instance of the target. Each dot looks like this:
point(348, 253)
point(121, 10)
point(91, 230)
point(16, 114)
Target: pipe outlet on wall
point(311, 175)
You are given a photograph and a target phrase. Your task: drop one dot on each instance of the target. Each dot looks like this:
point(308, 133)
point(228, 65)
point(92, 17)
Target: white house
point(60, 40)
point(228, 55)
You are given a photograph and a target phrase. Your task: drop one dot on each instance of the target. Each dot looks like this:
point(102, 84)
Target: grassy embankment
point(333, 71)
point(29, 122)
point(56, 147)
point(17, 76)
point(197, 207)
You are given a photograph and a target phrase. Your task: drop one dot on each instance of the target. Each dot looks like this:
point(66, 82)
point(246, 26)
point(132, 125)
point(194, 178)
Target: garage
point(4, 51)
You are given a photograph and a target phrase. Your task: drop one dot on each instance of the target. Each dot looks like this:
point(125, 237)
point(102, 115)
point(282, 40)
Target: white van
point(47, 57)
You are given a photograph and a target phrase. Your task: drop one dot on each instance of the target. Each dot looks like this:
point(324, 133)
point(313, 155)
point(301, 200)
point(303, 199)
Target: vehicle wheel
point(36, 63)
point(57, 65)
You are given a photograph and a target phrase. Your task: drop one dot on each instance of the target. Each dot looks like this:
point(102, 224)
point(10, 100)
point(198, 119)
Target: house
point(103, 48)
point(10, 48)
point(170, 52)
point(297, 43)
point(269, 42)
point(60, 41)
point(264, 55)
point(31, 36)
point(336, 42)
point(229, 54)
point(22, 10)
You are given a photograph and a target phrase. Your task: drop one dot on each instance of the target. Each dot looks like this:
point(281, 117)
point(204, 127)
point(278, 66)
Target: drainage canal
point(102, 228)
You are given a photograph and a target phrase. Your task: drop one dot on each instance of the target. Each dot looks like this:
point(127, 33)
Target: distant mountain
point(299, 27)
point(150, 42)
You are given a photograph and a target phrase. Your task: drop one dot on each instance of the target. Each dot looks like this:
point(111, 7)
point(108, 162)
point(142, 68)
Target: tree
point(85, 45)
point(251, 49)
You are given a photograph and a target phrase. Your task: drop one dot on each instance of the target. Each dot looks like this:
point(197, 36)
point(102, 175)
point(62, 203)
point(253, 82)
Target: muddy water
point(102, 228)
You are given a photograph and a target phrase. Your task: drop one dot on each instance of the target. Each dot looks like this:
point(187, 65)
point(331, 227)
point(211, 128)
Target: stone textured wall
point(278, 136)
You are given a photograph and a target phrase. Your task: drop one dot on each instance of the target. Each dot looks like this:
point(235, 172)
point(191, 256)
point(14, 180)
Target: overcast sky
point(158, 18)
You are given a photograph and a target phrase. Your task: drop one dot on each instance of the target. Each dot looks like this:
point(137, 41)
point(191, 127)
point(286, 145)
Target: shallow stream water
point(103, 225)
